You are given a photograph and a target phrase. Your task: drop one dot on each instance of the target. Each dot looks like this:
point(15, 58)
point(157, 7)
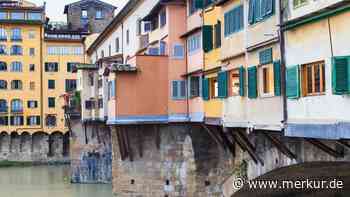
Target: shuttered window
point(194, 86)
point(241, 81)
point(277, 77)
point(252, 82)
point(205, 89)
point(341, 75)
point(207, 38)
point(234, 20)
point(265, 56)
point(293, 82)
point(260, 10)
point(218, 35)
point(178, 89)
point(222, 84)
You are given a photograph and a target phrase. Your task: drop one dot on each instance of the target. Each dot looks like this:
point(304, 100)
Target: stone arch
point(26, 142)
point(40, 146)
point(4, 143)
point(55, 144)
point(15, 142)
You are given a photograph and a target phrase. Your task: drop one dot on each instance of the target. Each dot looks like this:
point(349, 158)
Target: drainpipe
point(283, 63)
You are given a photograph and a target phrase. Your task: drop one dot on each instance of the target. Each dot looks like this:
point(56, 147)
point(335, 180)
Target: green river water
point(46, 181)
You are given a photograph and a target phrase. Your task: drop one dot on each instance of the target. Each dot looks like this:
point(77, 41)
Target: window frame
point(213, 87)
point(230, 86)
point(305, 79)
point(270, 83)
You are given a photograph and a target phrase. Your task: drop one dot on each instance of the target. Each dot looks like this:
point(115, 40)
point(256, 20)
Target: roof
point(159, 6)
point(113, 24)
point(123, 68)
point(104, 4)
point(86, 66)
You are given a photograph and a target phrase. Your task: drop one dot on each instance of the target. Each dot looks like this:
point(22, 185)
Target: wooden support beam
point(240, 136)
point(123, 138)
point(128, 144)
point(227, 142)
point(120, 143)
point(344, 143)
point(325, 148)
point(279, 145)
point(238, 142)
point(139, 140)
point(213, 136)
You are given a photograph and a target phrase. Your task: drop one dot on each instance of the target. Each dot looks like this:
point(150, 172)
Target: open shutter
point(341, 75)
point(241, 81)
point(257, 10)
point(218, 34)
point(175, 92)
point(207, 38)
point(252, 82)
point(205, 89)
point(38, 120)
point(222, 83)
point(269, 7)
point(293, 82)
point(277, 77)
point(251, 11)
point(182, 89)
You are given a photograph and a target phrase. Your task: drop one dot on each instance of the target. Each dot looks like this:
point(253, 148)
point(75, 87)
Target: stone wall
point(91, 156)
point(168, 160)
point(39, 147)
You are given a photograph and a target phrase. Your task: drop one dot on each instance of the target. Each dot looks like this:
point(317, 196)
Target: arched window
point(16, 85)
point(3, 85)
point(16, 105)
point(16, 34)
point(2, 49)
point(3, 66)
point(3, 34)
point(3, 105)
point(16, 67)
point(16, 50)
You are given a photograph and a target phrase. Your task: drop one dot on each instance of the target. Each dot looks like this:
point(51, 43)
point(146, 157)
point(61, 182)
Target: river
point(46, 181)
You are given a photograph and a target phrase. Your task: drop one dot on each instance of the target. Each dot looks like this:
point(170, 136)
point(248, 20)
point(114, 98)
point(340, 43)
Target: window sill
point(270, 95)
point(315, 94)
point(260, 21)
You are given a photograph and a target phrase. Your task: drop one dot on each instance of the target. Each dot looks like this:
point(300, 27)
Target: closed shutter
point(205, 89)
point(222, 83)
point(198, 4)
point(182, 92)
point(241, 81)
point(277, 77)
point(56, 67)
point(293, 82)
point(174, 90)
point(269, 8)
point(265, 56)
point(257, 10)
point(251, 11)
point(28, 120)
point(38, 120)
point(341, 75)
point(252, 82)
point(207, 38)
point(218, 34)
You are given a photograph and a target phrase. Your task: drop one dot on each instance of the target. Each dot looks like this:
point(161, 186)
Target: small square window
point(267, 79)
point(234, 82)
point(32, 52)
point(99, 14)
point(51, 84)
point(31, 67)
point(51, 102)
point(84, 14)
point(32, 85)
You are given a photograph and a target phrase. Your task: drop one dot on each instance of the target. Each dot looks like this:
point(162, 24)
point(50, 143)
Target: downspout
point(283, 64)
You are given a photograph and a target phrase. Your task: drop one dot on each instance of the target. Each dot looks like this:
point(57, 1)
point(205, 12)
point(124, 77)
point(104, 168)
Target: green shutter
point(293, 82)
point(218, 34)
point(251, 12)
point(241, 81)
point(223, 83)
point(198, 4)
point(205, 89)
point(252, 82)
point(265, 56)
point(207, 38)
point(341, 75)
point(277, 77)
point(257, 10)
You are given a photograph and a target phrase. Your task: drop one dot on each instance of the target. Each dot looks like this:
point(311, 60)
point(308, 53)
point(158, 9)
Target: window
point(265, 56)
point(71, 85)
point(192, 7)
point(70, 66)
point(91, 79)
point(32, 104)
point(31, 34)
point(16, 50)
point(3, 106)
point(31, 67)
point(3, 34)
point(267, 79)
point(162, 48)
point(32, 85)
point(234, 85)
point(33, 120)
point(3, 50)
point(100, 83)
point(111, 90)
point(16, 34)
point(178, 89)
point(4, 121)
point(16, 105)
point(34, 16)
point(90, 104)
point(3, 85)
point(213, 88)
point(16, 67)
point(313, 79)
point(117, 45)
point(162, 18)
point(51, 120)
point(3, 15)
point(17, 15)
point(3, 66)
point(194, 86)
point(153, 51)
point(260, 10)
point(194, 42)
point(16, 85)
point(100, 103)
point(299, 3)
point(16, 120)
point(51, 67)
point(217, 28)
point(51, 102)
point(234, 21)
point(51, 84)
point(99, 14)
point(84, 14)
point(32, 52)
point(178, 52)
point(127, 36)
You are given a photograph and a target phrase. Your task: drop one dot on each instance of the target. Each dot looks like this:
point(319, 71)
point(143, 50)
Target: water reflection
point(46, 181)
